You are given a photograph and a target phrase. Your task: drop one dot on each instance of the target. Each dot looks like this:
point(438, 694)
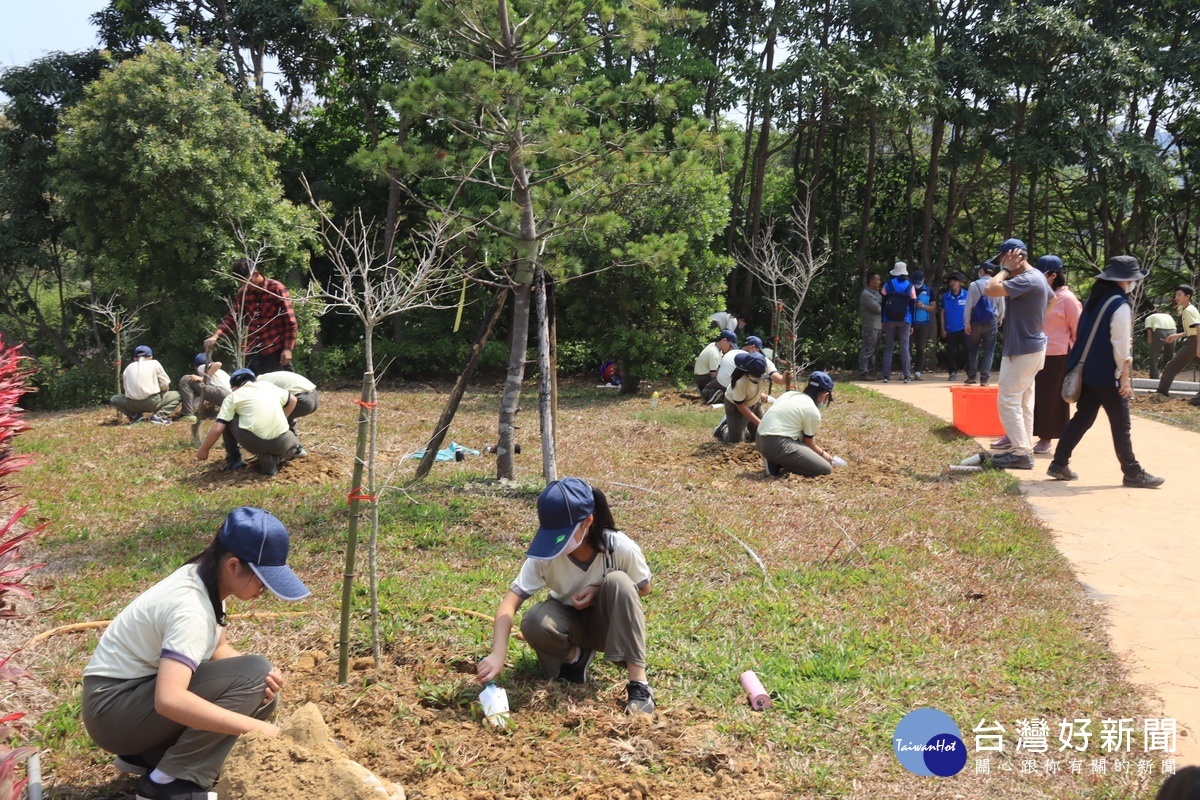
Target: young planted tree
point(124, 325)
point(785, 267)
point(523, 142)
point(371, 285)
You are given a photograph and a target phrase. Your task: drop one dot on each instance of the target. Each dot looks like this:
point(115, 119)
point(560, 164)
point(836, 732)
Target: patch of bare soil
point(563, 742)
point(311, 470)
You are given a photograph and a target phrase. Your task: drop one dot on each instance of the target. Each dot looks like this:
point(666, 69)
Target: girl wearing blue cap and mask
point(596, 576)
point(164, 688)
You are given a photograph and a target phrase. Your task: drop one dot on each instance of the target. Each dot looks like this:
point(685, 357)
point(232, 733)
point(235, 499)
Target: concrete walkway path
point(1136, 550)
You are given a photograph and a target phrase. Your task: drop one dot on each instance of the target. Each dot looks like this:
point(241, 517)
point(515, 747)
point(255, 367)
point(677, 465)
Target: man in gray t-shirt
point(1027, 296)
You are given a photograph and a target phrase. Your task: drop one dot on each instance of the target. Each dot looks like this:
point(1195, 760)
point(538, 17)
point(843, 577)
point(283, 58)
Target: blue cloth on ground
point(447, 452)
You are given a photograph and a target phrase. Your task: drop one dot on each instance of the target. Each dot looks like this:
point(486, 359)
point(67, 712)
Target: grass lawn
point(888, 586)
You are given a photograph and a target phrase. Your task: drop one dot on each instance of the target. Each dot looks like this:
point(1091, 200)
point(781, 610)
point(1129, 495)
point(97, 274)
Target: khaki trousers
point(614, 624)
point(120, 717)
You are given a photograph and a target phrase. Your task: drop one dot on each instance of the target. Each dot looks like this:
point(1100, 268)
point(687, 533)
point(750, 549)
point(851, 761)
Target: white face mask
point(576, 540)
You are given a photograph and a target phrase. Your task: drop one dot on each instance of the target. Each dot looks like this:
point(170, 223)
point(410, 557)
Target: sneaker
point(917, 376)
point(1012, 460)
point(969, 381)
point(983, 382)
point(953, 376)
point(178, 789)
point(907, 380)
point(137, 419)
point(886, 379)
point(641, 698)
point(1061, 472)
point(576, 671)
point(1195, 401)
point(133, 765)
point(773, 470)
point(300, 452)
point(235, 464)
point(190, 419)
point(1143, 480)
point(1002, 443)
point(1159, 397)
point(1043, 446)
point(159, 419)
point(268, 464)
point(720, 430)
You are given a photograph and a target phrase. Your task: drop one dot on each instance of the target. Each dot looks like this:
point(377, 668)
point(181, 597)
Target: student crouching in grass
point(164, 689)
point(596, 576)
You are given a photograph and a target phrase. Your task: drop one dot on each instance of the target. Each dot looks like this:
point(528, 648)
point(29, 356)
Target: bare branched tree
point(372, 285)
point(124, 325)
point(785, 271)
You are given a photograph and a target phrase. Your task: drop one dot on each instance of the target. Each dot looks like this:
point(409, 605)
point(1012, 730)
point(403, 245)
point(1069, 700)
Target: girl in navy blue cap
point(164, 688)
point(596, 576)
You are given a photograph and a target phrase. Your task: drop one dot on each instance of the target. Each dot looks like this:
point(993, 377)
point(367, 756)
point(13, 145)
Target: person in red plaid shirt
point(268, 320)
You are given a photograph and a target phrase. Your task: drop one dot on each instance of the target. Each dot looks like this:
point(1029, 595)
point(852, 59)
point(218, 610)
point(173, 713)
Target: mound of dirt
point(303, 762)
point(313, 470)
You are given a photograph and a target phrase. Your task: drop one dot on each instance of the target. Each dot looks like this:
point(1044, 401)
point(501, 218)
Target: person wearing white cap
point(146, 389)
point(596, 576)
point(899, 302)
point(165, 690)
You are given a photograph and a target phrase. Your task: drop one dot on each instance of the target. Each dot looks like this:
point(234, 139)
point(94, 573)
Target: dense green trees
point(166, 180)
point(639, 146)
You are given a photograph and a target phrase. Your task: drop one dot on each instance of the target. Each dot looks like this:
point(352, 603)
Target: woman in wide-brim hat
point(1106, 379)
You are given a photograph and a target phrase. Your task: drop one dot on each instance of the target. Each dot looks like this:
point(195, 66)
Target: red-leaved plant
point(13, 380)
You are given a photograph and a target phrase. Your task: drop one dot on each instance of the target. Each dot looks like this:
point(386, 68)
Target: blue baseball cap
point(141, 351)
point(1048, 264)
point(258, 538)
point(241, 376)
point(821, 382)
point(728, 336)
point(200, 360)
point(754, 364)
point(1007, 246)
point(754, 340)
point(561, 506)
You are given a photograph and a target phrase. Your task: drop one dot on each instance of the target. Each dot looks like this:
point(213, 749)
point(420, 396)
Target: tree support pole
point(460, 386)
point(364, 422)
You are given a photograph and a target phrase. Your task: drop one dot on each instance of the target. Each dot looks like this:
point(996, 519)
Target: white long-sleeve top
point(1120, 333)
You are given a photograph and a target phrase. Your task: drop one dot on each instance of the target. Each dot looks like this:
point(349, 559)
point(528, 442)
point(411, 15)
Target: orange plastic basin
point(975, 411)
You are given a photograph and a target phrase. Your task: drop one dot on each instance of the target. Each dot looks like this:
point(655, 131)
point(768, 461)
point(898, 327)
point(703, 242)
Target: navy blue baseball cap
point(754, 340)
point(258, 538)
point(821, 382)
point(241, 376)
point(1007, 246)
point(141, 351)
point(754, 364)
point(728, 336)
point(561, 506)
point(1048, 264)
point(200, 360)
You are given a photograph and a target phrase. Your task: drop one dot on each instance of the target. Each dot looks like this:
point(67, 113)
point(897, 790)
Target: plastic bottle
point(654, 400)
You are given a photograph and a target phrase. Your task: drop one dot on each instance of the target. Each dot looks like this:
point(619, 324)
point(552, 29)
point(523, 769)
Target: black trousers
point(956, 349)
point(1091, 400)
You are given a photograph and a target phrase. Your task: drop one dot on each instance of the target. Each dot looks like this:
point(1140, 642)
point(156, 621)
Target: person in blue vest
point(898, 302)
point(953, 313)
point(924, 308)
point(985, 315)
point(1106, 379)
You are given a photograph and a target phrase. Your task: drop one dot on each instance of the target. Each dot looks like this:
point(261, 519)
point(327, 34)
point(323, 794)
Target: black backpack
point(896, 304)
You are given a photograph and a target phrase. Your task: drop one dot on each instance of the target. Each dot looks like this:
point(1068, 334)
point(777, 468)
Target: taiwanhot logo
point(927, 742)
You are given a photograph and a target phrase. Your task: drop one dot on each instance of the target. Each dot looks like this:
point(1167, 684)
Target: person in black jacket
point(1106, 379)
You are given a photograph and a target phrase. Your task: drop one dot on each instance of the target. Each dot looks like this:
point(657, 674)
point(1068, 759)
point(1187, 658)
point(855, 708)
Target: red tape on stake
point(365, 404)
point(356, 494)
